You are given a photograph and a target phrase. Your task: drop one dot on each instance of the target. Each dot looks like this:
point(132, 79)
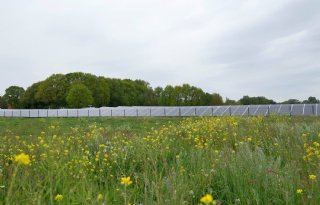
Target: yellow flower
point(22, 159)
point(299, 191)
point(99, 197)
point(207, 199)
point(58, 197)
point(126, 181)
point(312, 177)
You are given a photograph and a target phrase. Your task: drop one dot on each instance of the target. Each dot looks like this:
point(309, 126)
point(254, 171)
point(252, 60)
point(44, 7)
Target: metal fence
point(183, 111)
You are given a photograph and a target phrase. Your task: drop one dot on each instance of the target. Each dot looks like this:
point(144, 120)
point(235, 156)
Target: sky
point(265, 48)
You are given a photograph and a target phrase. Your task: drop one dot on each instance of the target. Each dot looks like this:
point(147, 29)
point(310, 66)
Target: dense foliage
point(79, 96)
point(53, 92)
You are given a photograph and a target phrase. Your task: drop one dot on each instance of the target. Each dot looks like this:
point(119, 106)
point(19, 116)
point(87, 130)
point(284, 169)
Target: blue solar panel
point(236, 110)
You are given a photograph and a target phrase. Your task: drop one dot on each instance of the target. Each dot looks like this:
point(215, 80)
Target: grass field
point(236, 160)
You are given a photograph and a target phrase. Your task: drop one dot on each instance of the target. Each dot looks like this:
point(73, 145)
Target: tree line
point(77, 90)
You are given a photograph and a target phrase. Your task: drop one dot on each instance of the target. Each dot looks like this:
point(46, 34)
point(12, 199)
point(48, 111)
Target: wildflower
point(126, 181)
point(312, 177)
point(207, 199)
point(58, 197)
point(22, 159)
point(299, 191)
point(99, 197)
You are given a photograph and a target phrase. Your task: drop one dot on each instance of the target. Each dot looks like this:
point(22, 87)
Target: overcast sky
point(234, 47)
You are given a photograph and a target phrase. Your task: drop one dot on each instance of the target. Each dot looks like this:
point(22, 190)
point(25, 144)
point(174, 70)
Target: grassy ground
point(27, 126)
point(255, 160)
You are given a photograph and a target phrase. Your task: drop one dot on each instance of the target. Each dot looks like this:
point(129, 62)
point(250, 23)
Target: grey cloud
point(236, 48)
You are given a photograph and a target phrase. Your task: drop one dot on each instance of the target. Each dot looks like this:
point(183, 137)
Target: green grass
point(33, 126)
point(249, 160)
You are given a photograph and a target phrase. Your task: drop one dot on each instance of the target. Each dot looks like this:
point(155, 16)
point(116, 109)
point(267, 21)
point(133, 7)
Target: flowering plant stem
point(11, 184)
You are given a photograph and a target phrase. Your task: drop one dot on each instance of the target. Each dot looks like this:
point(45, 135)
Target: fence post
point(11, 113)
point(88, 113)
point(57, 113)
point(150, 112)
point(313, 110)
point(29, 113)
point(164, 111)
point(179, 112)
point(230, 110)
point(111, 112)
point(99, 112)
point(195, 111)
point(211, 111)
point(67, 113)
point(137, 113)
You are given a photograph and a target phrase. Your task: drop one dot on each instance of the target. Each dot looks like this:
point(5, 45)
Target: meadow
point(174, 161)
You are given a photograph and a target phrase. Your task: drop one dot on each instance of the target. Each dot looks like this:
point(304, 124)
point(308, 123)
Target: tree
point(158, 92)
point(52, 92)
point(97, 85)
point(311, 100)
point(291, 101)
point(260, 100)
point(29, 99)
point(3, 105)
point(216, 99)
point(168, 97)
point(12, 97)
point(231, 102)
point(79, 96)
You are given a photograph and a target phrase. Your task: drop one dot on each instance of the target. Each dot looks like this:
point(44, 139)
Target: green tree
point(260, 100)
point(29, 99)
point(79, 96)
point(291, 101)
point(311, 100)
point(231, 102)
point(217, 99)
point(12, 97)
point(158, 92)
point(97, 85)
point(3, 104)
point(168, 97)
point(52, 92)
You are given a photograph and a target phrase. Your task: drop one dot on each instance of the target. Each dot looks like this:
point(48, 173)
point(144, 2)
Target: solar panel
point(172, 111)
point(236, 110)
point(188, 111)
point(309, 109)
point(158, 112)
point(203, 111)
point(297, 109)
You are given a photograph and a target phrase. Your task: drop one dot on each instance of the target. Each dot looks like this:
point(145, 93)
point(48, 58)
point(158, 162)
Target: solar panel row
point(236, 110)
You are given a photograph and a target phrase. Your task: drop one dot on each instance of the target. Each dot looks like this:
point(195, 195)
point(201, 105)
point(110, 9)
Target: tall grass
point(255, 160)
